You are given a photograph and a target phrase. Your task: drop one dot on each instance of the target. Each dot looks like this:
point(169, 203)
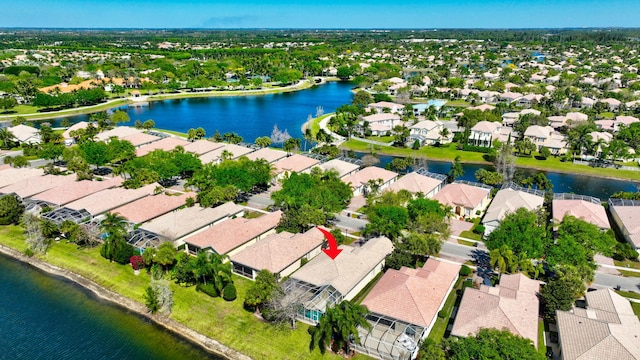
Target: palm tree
point(221, 272)
point(502, 258)
point(114, 229)
point(7, 140)
point(338, 327)
point(580, 138)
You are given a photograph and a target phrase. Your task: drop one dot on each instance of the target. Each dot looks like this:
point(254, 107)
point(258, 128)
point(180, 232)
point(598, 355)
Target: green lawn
point(449, 152)
point(542, 349)
point(384, 139)
point(470, 235)
point(465, 242)
point(440, 327)
point(628, 294)
point(629, 273)
point(636, 308)
point(457, 103)
point(226, 322)
point(627, 263)
point(315, 123)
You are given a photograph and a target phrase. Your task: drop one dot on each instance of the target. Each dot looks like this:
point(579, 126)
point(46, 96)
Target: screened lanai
point(389, 338)
point(142, 239)
point(61, 215)
point(313, 299)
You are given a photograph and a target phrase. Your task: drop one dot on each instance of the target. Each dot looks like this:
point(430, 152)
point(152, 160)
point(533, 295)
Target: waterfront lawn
point(449, 152)
point(315, 123)
point(227, 322)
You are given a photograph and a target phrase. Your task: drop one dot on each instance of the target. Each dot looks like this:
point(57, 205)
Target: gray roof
point(348, 268)
point(177, 224)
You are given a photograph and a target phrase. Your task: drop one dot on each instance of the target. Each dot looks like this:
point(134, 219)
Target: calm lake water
point(249, 116)
point(46, 317)
point(562, 183)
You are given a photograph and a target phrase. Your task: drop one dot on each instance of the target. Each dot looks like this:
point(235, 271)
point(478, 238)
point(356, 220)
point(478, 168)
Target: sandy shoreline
point(205, 342)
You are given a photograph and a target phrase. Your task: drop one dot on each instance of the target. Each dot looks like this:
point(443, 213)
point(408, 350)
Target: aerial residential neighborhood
point(460, 190)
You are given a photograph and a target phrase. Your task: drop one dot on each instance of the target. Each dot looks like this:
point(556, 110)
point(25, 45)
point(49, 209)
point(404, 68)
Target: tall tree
point(339, 326)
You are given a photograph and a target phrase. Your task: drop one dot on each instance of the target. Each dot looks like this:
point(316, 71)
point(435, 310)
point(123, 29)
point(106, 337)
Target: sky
point(320, 14)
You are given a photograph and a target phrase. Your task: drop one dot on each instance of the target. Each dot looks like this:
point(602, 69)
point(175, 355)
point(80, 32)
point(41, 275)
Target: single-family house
point(403, 307)
point(228, 151)
point(295, 163)
point(625, 215)
point(166, 144)
point(25, 134)
point(379, 107)
point(528, 100)
point(201, 146)
point(280, 253)
point(63, 194)
point(420, 182)
point(606, 328)
point(465, 199)
point(177, 225)
point(343, 168)
point(119, 132)
point(611, 103)
point(325, 282)
point(151, 207)
point(538, 135)
point(509, 199)
point(583, 207)
point(360, 180)
point(231, 236)
point(267, 154)
point(10, 175)
point(66, 135)
point(141, 139)
point(512, 305)
point(36, 184)
point(381, 123)
point(429, 132)
point(484, 133)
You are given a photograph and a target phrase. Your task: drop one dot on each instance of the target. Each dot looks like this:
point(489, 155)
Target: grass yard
point(627, 264)
point(449, 152)
point(457, 103)
point(315, 123)
point(542, 348)
point(226, 322)
point(465, 242)
point(384, 139)
point(628, 294)
point(636, 308)
point(470, 235)
point(440, 327)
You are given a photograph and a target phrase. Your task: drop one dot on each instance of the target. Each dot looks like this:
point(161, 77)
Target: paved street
point(612, 281)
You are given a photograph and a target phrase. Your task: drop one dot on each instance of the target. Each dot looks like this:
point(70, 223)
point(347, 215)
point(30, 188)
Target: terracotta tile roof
point(151, 207)
point(37, 184)
point(415, 183)
point(141, 138)
point(513, 305)
point(630, 220)
point(232, 233)
point(348, 269)
point(215, 155)
point(64, 194)
point(369, 173)
point(294, 163)
point(109, 199)
point(462, 195)
point(581, 209)
point(342, 167)
point(278, 251)
point(200, 147)
point(177, 224)
point(270, 155)
point(607, 329)
point(11, 175)
point(166, 144)
point(119, 131)
point(413, 295)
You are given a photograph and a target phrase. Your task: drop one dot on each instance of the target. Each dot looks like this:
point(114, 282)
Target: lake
point(249, 116)
point(47, 317)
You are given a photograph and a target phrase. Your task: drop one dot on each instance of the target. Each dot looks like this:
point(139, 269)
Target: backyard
point(227, 322)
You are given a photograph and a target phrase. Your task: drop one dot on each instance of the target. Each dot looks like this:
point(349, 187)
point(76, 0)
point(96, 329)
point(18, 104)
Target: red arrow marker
point(333, 250)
